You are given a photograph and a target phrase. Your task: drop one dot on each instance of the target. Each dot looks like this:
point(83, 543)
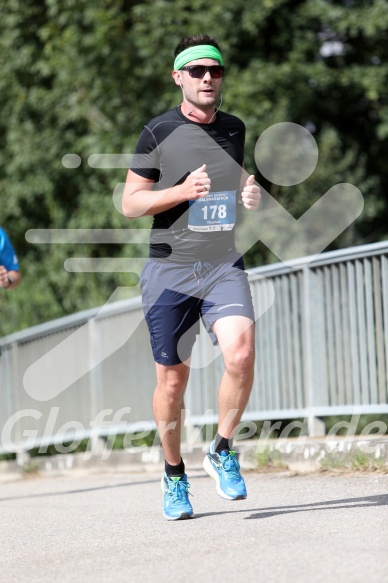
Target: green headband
point(198, 52)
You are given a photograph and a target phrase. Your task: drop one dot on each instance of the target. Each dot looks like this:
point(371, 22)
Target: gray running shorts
point(175, 297)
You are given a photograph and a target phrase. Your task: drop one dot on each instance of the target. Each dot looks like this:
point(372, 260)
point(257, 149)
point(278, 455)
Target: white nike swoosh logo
point(232, 133)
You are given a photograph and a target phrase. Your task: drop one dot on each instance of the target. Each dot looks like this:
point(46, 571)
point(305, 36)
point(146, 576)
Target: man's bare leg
point(236, 337)
point(168, 408)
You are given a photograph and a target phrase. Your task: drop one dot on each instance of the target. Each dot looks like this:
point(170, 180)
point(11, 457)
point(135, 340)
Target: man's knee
point(240, 360)
point(171, 392)
point(172, 381)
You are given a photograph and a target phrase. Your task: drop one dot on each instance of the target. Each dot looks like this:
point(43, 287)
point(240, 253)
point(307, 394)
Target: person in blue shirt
point(9, 265)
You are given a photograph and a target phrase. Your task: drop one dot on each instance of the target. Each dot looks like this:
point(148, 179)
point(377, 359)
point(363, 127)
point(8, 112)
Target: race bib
point(214, 212)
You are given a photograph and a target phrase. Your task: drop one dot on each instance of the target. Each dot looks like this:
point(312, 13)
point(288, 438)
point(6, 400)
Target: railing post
point(96, 442)
point(316, 427)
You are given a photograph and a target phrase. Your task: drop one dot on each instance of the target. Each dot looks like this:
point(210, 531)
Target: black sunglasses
point(199, 71)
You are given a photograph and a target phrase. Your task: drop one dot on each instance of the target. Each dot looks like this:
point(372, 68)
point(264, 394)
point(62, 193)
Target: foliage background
point(81, 77)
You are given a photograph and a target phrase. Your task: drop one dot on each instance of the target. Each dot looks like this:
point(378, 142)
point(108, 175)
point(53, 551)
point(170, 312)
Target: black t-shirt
point(171, 146)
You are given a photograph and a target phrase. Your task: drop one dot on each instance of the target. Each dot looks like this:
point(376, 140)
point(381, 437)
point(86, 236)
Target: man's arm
point(9, 279)
point(140, 200)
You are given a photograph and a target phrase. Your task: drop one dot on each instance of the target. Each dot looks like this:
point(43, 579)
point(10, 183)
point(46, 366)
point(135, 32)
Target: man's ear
point(177, 78)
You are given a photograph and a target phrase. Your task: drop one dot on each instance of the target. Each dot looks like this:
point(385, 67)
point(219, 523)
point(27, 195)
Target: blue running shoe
point(225, 470)
point(176, 498)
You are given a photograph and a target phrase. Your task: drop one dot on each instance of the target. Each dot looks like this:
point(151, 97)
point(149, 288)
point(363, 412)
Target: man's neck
point(195, 113)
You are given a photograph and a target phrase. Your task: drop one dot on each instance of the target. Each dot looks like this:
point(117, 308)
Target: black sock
point(223, 443)
point(174, 471)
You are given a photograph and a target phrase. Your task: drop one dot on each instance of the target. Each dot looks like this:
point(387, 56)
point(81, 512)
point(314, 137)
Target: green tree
point(83, 78)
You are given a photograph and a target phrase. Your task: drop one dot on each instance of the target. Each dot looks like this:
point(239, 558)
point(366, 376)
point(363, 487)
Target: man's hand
point(3, 277)
point(197, 184)
point(250, 194)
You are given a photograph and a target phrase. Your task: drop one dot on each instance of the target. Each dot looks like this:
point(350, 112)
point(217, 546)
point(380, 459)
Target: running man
point(9, 265)
point(184, 174)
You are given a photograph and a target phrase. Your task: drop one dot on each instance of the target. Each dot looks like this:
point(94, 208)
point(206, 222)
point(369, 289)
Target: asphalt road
point(110, 528)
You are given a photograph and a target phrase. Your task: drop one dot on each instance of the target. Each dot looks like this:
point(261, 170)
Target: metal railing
point(322, 349)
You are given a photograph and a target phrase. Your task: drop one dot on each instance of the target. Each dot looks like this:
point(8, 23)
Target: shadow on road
point(257, 513)
point(80, 490)
point(364, 502)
